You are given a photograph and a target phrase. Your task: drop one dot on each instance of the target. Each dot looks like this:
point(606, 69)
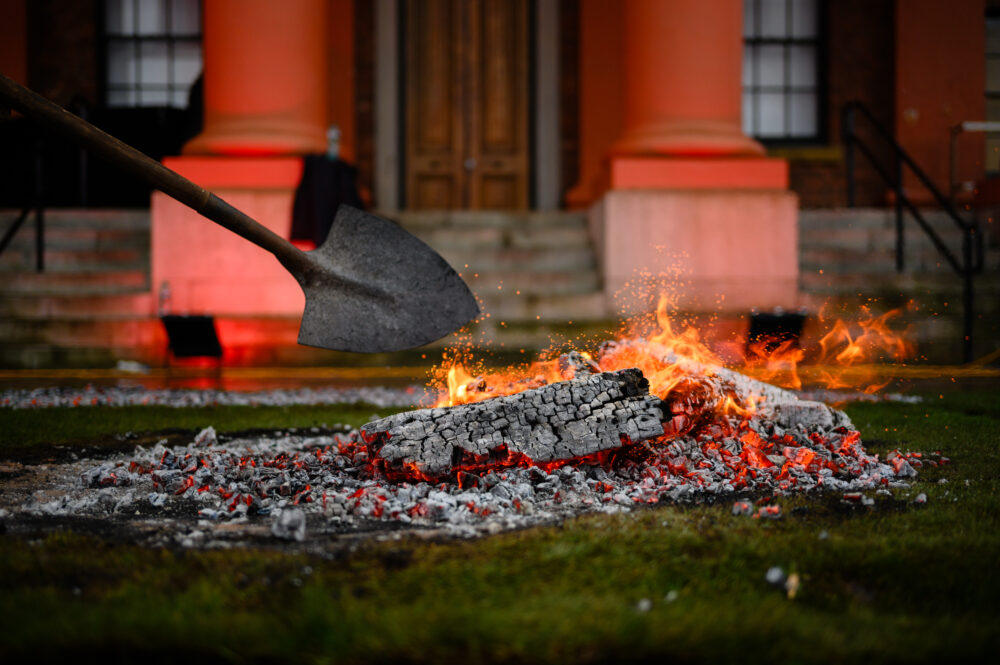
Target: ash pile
point(596, 442)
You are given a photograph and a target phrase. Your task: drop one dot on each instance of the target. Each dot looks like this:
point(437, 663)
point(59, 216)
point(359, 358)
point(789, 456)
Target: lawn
point(896, 582)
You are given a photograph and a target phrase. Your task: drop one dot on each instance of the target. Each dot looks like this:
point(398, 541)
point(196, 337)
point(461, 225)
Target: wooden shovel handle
point(156, 174)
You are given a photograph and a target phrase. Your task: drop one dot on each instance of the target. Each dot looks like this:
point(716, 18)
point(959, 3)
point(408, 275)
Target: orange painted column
point(600, 87)
point(265, 78)
point(683, 79)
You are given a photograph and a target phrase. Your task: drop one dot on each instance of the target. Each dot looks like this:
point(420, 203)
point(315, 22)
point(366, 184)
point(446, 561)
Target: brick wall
point(859, 66)
point(63, 50)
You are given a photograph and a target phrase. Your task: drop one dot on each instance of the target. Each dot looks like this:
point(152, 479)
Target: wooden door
point(467, 104)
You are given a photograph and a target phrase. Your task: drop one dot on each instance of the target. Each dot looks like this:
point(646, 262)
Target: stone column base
point(730, 249)
point(211, 270)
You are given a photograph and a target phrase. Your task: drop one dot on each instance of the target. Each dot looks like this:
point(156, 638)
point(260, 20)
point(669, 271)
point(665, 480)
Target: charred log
point(583, 418)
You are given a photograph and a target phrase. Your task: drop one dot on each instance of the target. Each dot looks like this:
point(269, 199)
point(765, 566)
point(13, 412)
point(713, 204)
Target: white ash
point(329, 478)
point(289, 524)
point(136, 396)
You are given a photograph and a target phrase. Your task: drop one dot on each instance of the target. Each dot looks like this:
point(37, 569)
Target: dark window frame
point(820, 88)
point(992, 16)
point(168, 38)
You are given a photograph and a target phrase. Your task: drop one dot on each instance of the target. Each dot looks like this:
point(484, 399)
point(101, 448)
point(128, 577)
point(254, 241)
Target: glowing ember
point(702, 430)
point(666, 358)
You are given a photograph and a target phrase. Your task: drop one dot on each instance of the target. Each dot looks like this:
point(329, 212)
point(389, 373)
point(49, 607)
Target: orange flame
point(672, 358)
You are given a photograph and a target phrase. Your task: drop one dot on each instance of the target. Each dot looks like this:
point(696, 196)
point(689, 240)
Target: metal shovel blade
point(370, 287)
point(375, 287)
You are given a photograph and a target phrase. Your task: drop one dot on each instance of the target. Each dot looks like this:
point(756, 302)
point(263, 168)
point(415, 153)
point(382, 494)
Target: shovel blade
point(374, 287)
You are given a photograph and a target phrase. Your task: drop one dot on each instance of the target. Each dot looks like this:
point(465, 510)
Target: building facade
point(699, 127)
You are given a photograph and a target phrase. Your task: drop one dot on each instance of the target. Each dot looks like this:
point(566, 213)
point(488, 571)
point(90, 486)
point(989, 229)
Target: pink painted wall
point(211, 270)
point(940, 82)
point(731, 249)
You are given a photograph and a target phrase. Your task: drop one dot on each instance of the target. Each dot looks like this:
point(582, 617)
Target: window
point(153, 51)
point(781, 70)
point(992, 93)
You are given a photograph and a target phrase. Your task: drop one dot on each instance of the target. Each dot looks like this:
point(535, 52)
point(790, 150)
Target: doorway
point(467, 104)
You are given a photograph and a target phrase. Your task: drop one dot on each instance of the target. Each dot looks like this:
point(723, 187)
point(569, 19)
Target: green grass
point(38, 433)
point(896, 583)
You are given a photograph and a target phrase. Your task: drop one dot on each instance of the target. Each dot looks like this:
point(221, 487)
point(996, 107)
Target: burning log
point(580, 418)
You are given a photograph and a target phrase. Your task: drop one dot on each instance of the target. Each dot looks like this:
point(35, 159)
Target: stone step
point(109, 330)
point(587, 306)
point(82, 304)
point(921, 287)
point(534, 283)
point(494, 238)
point(869, 218)
point(863, 239)
point(869, 263)
point(461, 220)
point(75, 282)
point(80, 239)
point(520, 260)
point(55, 219)
point(111, 261)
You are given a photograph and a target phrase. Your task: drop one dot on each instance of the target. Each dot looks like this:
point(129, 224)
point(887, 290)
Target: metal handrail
point(971, 262)
point(35, 203)
point(956, 131)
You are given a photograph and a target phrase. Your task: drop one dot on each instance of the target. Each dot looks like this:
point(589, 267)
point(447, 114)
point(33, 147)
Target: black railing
point(36, 204)
point(969, 263)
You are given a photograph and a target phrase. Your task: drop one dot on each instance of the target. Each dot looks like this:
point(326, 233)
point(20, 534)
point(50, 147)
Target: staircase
point(530, 266)
point(847, 259)
point(533, 272)
point(91, 305)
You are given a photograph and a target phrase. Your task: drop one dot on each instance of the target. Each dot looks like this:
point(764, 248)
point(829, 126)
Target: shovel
point(370, 287)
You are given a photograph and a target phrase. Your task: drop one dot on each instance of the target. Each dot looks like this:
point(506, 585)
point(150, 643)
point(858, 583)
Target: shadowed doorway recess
point(467, 89)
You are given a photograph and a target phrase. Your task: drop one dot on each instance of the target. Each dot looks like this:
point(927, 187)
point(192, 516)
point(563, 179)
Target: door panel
point(499, 105)
point(434, 133)
point(467, 108)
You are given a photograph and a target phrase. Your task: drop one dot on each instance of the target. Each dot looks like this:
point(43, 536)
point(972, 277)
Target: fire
point(778, 365)
point(669, 356)
point(458, 386)
point(872, 339)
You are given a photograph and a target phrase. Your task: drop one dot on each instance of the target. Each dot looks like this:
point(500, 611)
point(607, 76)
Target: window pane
point(118, 17)
point(187, 64)
point(121, 63)
point(993, 154)
point(152, 17)
point(185, 17)
point(154, 97)
point(804, 15)
point(803, 64)
point(749, 18)
point(772, 115)
point(153, 63)
point(179, 99)
point(803, 115)
point(748, 68)
point(993, 110)
point(993, 36)
point(748, 118)
point(992, 74)
point(771, 66)
point(772, 22)
point(121, 98)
